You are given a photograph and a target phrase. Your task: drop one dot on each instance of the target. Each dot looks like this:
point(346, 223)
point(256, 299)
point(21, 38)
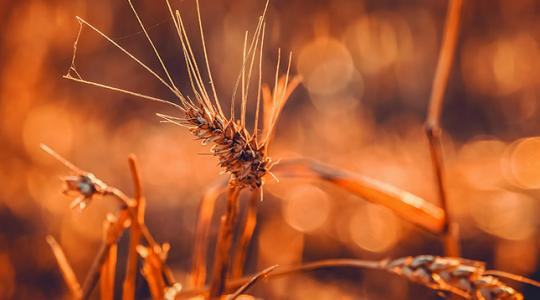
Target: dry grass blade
point(251, 282)
point(224, 238)
point(108, 269)
point(116, 231)
point(152, 271)
point(135, 232)
point(444, 64)
point(204, 220)
point(272, 109)
point(408, 206)
point(65, 268)
point(250, 222)
point(432, 127)
point(228, 224)
point(61, 159)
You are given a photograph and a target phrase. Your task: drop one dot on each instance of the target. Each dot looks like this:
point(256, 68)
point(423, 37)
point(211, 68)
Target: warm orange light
point(279, 243)
point(306, 208)
point(524, 163)
point(479, 162)
point(48, 124)
point(505, 214)
point(325, 65)
point(374, 228)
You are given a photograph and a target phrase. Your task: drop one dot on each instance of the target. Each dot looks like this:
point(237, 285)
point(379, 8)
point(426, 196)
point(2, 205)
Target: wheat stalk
point(432, 124)
point(108, 269)
point(128, 291)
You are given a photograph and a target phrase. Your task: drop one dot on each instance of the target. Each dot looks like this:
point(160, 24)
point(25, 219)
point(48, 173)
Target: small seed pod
point(84, 187)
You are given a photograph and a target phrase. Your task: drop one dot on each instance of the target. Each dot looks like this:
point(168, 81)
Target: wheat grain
point(459, 276)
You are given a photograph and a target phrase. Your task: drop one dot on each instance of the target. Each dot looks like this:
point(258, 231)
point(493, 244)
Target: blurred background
point(367, 67)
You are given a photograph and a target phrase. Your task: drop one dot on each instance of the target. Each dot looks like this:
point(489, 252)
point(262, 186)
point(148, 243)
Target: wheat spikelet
point(459, 276)
point(241, 154)
point(238, 152)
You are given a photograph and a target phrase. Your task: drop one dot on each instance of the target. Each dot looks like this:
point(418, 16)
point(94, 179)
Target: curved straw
point(252, 281)
point(406, 205)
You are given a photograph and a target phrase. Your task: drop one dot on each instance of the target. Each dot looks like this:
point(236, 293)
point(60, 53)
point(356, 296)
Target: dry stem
point(432, 125)
point(223, 247)
point(65, 267)
point(242, 248)
point(108, 269)
point(152, 270)
point(251, 282)
point(202, 232)
point(131, 265)
point(116, 231)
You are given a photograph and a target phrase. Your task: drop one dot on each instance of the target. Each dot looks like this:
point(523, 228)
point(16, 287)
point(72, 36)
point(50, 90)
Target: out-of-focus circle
point(514, 62)
point(326, 66)
point(523, 159)
point(505, 214)
point(306, 208)
point(502, 66)
point(479, 163)
point(375, 41)
point(374, 228)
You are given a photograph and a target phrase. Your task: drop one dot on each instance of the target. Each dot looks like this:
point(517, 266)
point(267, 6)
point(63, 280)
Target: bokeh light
point(374, 228)
point(326, 66)
point(505, 214)
point(306, 208)
point(480, 163)
point(523, 163)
